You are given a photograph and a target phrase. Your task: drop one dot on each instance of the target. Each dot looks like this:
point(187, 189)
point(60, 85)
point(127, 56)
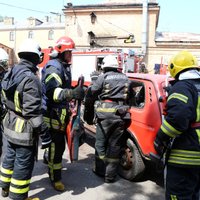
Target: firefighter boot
point(99, 167)
point(111, 172)
point(5, 192)
point(59, 186)
point(29, 198)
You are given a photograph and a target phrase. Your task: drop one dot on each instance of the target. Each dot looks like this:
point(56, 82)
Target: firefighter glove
point(161, 142)
point(78, 93)
point(94, 75)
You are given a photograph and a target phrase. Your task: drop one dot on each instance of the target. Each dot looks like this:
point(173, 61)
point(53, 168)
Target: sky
point(175, 15)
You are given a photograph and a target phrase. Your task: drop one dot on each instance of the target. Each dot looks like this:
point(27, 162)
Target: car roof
point(156, 78)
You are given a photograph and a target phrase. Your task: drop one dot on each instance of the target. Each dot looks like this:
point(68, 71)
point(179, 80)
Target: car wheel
point(131, 165)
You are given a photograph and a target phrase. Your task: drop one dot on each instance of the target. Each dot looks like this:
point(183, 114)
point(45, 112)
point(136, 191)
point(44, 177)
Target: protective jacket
point(56, 76)
point(182, 123)
point(112, 90)
point(22, 96)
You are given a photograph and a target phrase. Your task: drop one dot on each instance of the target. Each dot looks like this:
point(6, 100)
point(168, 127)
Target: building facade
point(114, 24)
point(111, 25)
point(44, 32)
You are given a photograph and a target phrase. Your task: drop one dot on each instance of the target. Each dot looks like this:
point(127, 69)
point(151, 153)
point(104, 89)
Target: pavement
point(82, 184)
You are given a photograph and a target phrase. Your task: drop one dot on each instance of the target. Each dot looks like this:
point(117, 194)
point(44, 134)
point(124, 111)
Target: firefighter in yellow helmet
point(180, 130)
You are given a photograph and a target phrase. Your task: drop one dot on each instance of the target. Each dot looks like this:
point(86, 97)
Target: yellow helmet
point(181, 61)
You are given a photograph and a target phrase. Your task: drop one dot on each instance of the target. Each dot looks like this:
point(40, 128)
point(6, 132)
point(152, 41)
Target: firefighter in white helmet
point(23, 122)
point(112, 90)
point(3, 70)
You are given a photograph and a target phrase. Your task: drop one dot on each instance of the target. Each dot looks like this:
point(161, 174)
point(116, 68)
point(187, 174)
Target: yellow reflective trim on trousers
point(198, 110)
point(106, 109)
point(63, 116)
point(54, 124)
point(169, 130)
point(184, 161)
point(5, 179)
point(20, 182)
point(179, 96)
point(185, 153)
point(53, 75)
point(6, 171)
point(19, 125)
point(173, 197)
point(18, 190)
point(55, 166)
point(198, 134)
point(16, 101)
point(4, 94)
point(56, 93)
point(184, 157)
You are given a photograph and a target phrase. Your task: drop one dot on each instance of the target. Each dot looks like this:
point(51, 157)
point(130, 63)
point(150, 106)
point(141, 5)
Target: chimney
point(58, 18)
point(46, 18)
point(9, 20)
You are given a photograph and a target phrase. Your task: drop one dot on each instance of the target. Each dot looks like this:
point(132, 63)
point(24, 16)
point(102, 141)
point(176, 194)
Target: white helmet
point(110, 61)
point(3, 59)
point(30, 46)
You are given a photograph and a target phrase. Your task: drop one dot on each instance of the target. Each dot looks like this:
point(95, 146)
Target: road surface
point(82, 184)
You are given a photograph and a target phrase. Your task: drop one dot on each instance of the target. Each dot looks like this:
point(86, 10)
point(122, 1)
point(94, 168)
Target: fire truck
point(86, 61)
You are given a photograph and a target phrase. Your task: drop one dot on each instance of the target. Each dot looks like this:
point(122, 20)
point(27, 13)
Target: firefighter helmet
point(3, 59)
point(110, 61)
point(182, 61)
point(64, 44)
point(30, 46)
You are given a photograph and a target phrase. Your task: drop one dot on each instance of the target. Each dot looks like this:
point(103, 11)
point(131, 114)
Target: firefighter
point(112, 90)
point(3, 70)
point(23, 122)
point(57, 92)
point(142, 68)
point(180, 130)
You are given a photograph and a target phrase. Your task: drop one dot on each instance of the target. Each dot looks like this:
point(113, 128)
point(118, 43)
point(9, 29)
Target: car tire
point(131, 165)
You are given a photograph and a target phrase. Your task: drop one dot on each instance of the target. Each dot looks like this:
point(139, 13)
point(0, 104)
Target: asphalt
point(82, 184)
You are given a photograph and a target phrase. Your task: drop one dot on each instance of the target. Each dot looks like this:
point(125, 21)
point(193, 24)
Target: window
point(12, 36)
point(138, 99)
point(51, 34)
point(30, 34)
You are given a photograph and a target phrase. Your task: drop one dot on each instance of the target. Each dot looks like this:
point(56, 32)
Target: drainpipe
point(144, 26)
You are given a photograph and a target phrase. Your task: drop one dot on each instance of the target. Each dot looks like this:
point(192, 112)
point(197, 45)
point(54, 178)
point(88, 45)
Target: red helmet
point(64, 44)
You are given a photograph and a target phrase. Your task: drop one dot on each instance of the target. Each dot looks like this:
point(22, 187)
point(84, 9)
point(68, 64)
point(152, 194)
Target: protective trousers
point(56, 151)
point(108, 145)
point(16, 170)
point(182, 183)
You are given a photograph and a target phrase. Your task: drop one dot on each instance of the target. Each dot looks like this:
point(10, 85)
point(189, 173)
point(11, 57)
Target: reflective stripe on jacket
point(183, 109)
point(56, 76)
point(22, 97)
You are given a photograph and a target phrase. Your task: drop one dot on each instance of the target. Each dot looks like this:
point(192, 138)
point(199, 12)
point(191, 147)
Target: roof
point(175, 36)
point(127, 1)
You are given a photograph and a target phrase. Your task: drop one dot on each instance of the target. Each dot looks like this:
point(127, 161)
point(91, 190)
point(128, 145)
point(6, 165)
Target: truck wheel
point(131, 165)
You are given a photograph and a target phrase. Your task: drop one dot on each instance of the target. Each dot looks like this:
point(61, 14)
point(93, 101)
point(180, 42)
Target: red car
point(147, 111)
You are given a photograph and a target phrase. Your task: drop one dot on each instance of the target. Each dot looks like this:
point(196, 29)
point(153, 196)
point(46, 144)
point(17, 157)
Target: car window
point(138, 99)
